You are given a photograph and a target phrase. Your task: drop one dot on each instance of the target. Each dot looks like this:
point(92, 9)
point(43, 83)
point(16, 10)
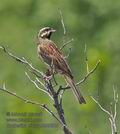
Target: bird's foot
point(47, 78)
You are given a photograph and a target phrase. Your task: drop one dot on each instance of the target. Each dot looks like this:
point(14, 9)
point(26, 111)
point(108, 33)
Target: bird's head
point(46, 32)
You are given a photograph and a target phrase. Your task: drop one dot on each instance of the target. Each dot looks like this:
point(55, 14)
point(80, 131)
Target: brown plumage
point(53, 57)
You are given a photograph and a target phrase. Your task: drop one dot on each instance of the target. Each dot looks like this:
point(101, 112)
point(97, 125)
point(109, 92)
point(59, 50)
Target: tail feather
point(76, 92)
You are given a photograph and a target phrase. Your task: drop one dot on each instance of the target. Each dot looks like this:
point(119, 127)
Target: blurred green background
point(91, 22)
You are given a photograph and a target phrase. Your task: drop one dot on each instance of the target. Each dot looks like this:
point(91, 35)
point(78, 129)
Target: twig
point(44, 106)
point(88, 74)
point(62, 22)
point(85, 77)
point(24, 62)
point(86, 59)
point(111, 115)
point(68, 53)
point(103, 109)
point(36, 85)
point(66, 43)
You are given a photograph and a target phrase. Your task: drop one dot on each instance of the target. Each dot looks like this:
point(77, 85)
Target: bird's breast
point(43, 55)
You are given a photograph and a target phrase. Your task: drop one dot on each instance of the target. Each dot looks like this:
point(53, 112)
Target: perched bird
point(53, 57)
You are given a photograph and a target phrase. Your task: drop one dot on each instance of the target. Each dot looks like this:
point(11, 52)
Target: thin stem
point(66, 43)
point(36, 85)
point(103, 109)
point(111, 115)
point(88, 74)
point(44, 106)
point(85, 77)
point(62, 22)
point(24, 62)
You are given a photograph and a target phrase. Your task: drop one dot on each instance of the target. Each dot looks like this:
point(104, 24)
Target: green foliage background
point(91, 22)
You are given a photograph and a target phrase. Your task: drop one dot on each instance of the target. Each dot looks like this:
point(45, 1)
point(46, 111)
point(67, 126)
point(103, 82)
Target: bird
point(52, 56)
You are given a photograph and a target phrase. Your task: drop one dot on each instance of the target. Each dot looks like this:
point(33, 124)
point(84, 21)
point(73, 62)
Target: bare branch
point(24, 62)
point(66, 43)
point(58, 107)
point(111, 115)
point(36, 85)
point(48, 88)
point(44, 106)
point(115, 101)
point(86, 58)
point(103, 109)
point(68, 53)
point(62, 22)
point(88, 74)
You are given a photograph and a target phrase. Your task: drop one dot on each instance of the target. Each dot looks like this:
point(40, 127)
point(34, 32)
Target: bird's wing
point(57, 58)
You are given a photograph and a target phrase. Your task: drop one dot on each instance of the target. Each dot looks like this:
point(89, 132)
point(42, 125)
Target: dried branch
point(68, 53)
point(45, 90)
point(111, 115)
point(86, 58)
point(44, 106)
point(85, 77)
point(89, 73)
point(22, 60)
point(66, 43)
point(62, 22)
point(103, 109)
point(48, 89)
point(58, 106)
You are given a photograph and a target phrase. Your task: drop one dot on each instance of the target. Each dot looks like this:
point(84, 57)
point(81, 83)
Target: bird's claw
point(47, 78)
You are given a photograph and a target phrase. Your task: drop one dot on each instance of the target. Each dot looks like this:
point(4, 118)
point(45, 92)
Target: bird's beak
point(53, 30)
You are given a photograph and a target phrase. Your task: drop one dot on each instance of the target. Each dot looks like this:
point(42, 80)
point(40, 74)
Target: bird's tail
point(76, 92)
